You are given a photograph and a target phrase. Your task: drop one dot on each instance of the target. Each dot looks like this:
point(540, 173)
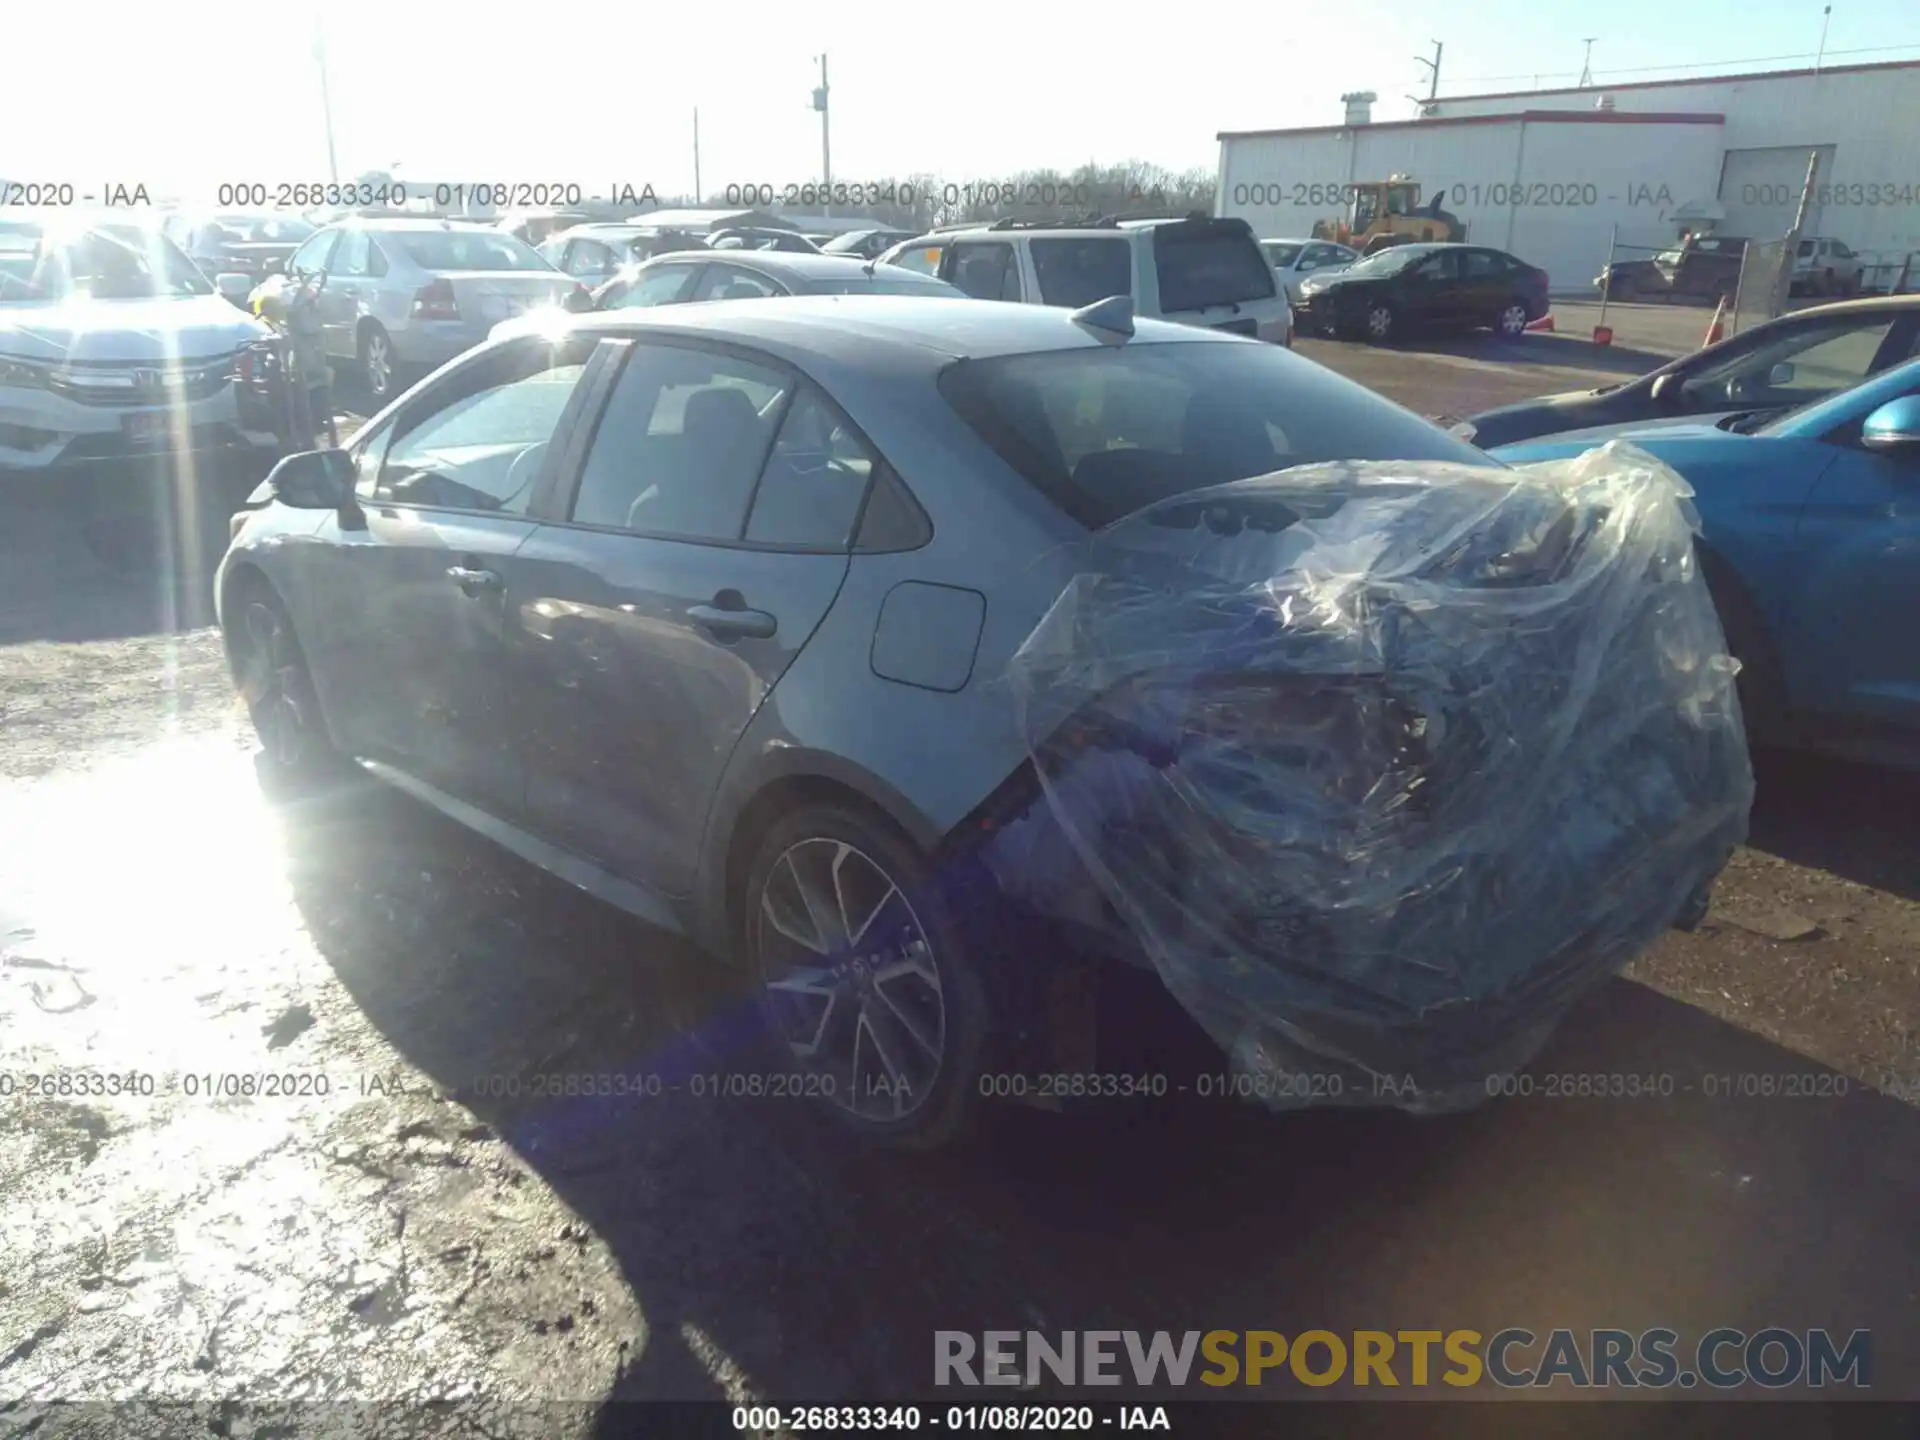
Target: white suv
point(1198, 271)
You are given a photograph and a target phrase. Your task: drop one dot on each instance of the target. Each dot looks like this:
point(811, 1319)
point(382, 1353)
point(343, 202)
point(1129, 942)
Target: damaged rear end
point(1382, 765)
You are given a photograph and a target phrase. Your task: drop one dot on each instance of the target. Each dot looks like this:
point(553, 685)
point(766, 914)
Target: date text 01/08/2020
point(398, 194)
point(809, 1419)
point(995, 194)
point(1499, 194)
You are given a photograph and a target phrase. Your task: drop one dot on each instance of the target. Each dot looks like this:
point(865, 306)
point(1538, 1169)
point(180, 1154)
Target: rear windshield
point(1280, 256)
point(1202, 265)
point(261, 229)
point(1076, 272)
point(467, 250)
point(1108, 430)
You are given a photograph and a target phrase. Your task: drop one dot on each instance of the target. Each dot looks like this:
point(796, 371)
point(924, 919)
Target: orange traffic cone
point(1718, 329)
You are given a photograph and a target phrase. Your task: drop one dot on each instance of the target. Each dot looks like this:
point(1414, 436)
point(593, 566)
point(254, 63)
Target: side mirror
point(578, 301)
point(1894, 428)
point(314, 480)
point(234, 287)
point(1781, 375)
point(1666, 390)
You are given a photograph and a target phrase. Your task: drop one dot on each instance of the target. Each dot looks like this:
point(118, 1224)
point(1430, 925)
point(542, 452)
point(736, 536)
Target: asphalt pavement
point(343, 1157)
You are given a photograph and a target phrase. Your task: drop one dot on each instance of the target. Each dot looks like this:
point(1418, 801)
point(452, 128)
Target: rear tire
point(868, 974)
point(1511, 322)
point(379, 366)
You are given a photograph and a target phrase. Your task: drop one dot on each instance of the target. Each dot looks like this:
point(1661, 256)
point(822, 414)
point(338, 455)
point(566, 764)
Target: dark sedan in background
point(866, 244)
point(1411, 288)
point(754, 274)
point(1793, 360)
point(247, 243)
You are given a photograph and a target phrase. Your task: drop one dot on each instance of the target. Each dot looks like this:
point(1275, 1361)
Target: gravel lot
point(403, 1226)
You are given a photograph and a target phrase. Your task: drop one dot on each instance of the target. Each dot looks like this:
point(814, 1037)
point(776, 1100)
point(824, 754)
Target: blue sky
point(183, 105)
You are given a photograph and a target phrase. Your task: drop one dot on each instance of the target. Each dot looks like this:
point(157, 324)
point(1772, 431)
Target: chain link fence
point(1766, 269)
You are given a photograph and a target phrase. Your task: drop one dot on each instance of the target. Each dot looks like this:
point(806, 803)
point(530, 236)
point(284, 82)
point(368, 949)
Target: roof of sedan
point(782, 264)
point(879, 331)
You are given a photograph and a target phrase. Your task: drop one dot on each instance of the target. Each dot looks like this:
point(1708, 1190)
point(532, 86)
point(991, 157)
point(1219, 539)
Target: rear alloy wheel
point(863, 980)
point(378, 369)
point(278, 691)
point(1512, 321)
point(1380, 320)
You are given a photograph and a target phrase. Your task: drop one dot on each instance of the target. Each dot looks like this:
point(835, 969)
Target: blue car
point(1811, 546)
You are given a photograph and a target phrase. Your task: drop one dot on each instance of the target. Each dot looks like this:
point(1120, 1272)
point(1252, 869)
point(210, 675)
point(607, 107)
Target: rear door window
point(354, 257)
point(1209, 264)
point(662, 285)
point(729, 282)
point(811, 490)
point(681, 444)
point(1077, 272)
point(921, 259)
point(986, 270)
point(313, 255)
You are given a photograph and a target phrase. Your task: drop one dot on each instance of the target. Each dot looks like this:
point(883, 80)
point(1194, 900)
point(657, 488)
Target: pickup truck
point(1704, 268)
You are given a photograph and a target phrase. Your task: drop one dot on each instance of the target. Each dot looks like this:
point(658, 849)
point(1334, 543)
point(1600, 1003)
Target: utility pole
point(1433, 65)
point(1586, 64)
point(698, 194)
point(326, 100)
point(1826, 15)
point(826, 152)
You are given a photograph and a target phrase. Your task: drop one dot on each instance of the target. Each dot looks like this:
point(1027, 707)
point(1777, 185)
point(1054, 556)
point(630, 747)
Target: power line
point(1695, 65)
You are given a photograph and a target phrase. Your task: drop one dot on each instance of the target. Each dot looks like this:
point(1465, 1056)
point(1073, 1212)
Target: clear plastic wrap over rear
point(1385, 764)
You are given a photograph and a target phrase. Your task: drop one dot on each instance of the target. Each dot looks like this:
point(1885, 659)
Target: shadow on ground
point(766, 1251)
point(106, 554)
point(1860, 822)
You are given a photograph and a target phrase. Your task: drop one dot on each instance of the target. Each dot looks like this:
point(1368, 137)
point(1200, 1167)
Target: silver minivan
point(405, 296)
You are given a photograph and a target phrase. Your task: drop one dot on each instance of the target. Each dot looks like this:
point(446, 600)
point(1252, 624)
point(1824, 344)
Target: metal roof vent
point(1359, 105)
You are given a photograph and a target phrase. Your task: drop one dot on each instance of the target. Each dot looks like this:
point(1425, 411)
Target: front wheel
point(866, 976)
point(1381, 321)
point(1511, 322)
point(278, 690)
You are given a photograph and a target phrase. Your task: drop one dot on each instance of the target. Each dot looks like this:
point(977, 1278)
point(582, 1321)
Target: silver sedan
point(405, 296)
point(1294, 260)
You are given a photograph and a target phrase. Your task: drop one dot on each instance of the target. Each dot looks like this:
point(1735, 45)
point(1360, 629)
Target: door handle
point(474, 581)
point(733, 624)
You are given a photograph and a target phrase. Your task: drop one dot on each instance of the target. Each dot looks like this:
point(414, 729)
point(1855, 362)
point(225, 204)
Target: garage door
point(1760, 190)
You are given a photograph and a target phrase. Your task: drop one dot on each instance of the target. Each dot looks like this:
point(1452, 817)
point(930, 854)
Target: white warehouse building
point(1548, 174)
